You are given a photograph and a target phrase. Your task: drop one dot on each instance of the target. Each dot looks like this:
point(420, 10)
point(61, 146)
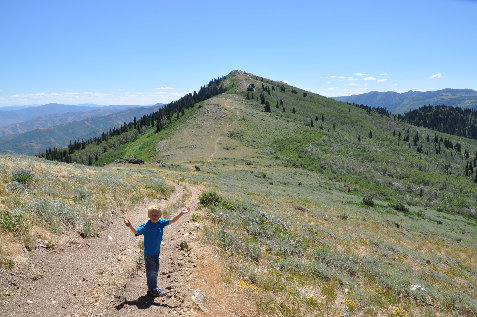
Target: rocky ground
point(105, 276)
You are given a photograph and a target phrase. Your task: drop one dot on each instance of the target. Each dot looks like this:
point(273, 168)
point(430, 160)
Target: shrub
point(22, 176)
point(11, 222)
point(400, 207)
point(368, 201)
point(7, 263)
point(209, 199)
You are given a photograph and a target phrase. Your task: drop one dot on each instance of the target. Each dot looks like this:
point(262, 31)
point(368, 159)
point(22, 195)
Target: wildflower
point(350, 305)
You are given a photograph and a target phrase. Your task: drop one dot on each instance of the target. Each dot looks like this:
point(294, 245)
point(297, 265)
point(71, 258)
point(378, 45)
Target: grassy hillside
point(400, 243)
point(291, 233)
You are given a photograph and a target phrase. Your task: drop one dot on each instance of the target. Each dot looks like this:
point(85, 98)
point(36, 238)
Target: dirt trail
point(104, 276)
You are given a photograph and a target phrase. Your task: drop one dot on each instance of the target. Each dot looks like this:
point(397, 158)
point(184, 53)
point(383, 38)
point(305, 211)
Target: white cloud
point(360, 74)
point(100, 98)
point(384, 74)
point(333, 76)
point(369, 78)
point(327, 91)
point(342, 77)
point(164, 88)
point(438, 75)
point(382, 80)
point(351, 78)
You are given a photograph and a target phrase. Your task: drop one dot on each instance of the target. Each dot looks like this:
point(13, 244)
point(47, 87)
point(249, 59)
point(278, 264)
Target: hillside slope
point(38, 140)
point(406, 101)
point(294, 237)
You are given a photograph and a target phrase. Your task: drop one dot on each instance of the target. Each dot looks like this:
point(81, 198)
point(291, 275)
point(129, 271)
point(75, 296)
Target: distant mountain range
point(396, 102)
point(54, 120)
point(40, 139)
point(12, 115)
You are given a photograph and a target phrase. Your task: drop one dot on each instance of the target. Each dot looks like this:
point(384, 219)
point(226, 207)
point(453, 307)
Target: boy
point(152, 231)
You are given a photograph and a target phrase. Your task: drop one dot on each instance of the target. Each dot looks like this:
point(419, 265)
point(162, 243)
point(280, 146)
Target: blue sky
point(144, 52)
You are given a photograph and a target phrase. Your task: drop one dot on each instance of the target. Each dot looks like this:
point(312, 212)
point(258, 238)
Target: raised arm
point(182, 212)
point(129, 225)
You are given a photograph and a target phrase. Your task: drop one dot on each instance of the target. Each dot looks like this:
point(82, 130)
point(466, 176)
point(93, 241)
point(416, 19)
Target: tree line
point(451, 120)
point(158, 119)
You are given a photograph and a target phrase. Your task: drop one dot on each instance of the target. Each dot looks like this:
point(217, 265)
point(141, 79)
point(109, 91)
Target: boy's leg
point(152, 269)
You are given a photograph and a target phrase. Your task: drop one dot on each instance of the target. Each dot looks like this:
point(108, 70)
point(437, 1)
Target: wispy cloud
point(382, 80)
point(333, 76)
point(342, 77)
point(438, 75)
point(384, 74)
point(100, 98)
point(165, 88)
point(360, 74)
point(352, 78)
point(352, 84)
point(369, 78)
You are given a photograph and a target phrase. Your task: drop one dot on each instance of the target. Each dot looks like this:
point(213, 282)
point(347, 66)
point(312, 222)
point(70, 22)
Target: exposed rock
point(184, 246)
point(130, 160)
point(301, 208)
point(197, 296)
point(273, 219)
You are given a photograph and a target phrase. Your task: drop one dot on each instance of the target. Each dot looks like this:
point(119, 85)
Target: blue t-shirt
point(152, 235)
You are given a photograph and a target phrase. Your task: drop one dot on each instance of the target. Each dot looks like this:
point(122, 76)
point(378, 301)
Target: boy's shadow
point(143, 302)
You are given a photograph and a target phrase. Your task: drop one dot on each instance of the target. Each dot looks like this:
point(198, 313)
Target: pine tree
point(267, 107)
point(293, 110)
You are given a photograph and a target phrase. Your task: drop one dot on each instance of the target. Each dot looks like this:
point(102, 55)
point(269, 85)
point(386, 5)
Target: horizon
point(149, 52)
point(151, 105)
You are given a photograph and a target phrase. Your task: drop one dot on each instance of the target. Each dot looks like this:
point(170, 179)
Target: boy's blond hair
point(153, 208)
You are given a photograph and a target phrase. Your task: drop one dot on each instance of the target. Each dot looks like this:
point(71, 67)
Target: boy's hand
point(185, 210)
point(127, 222)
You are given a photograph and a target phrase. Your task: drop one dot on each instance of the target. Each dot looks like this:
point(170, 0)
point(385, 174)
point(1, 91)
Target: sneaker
point(161, 292)
point(157, 292)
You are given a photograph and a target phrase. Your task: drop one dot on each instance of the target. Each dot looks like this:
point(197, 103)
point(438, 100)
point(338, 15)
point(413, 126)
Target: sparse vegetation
point(64, 197)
